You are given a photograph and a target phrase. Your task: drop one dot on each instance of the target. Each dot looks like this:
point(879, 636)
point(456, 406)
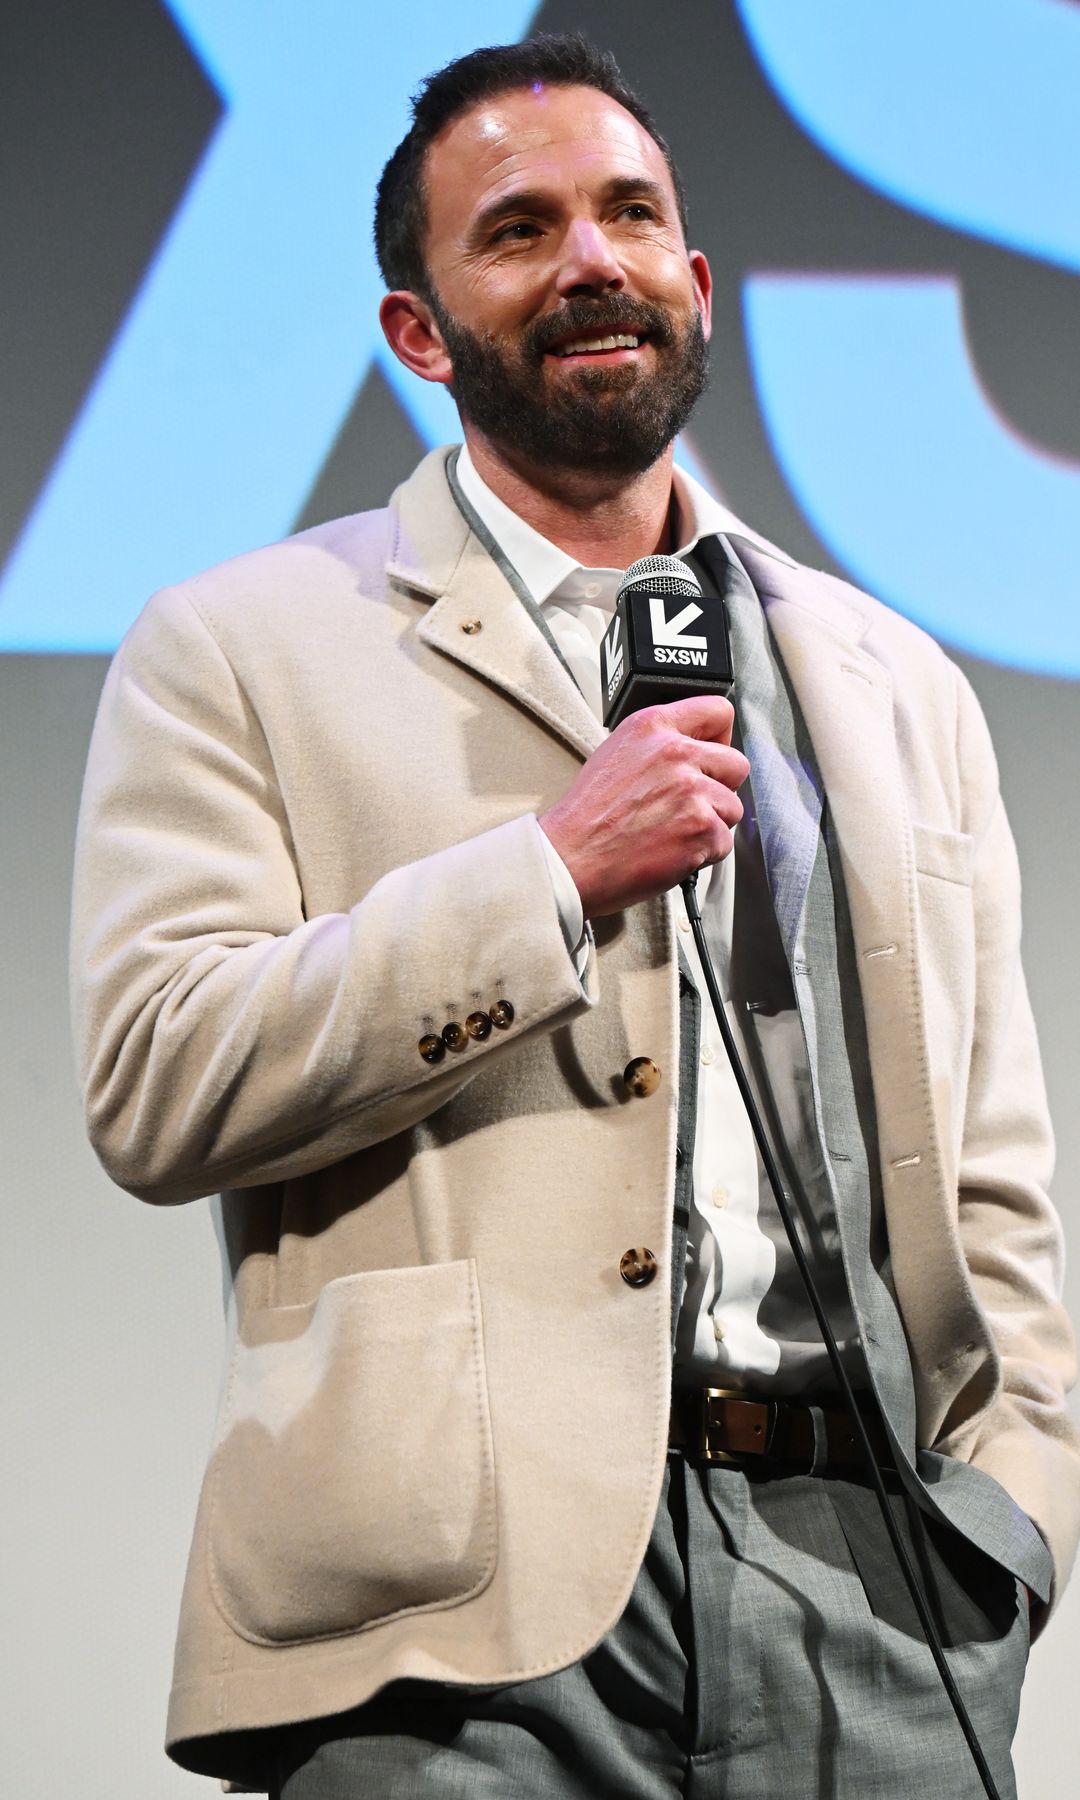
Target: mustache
point(606, 316)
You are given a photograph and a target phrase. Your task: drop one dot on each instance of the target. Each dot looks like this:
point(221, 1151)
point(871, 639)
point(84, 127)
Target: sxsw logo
point(672, 641)
point(614, 656)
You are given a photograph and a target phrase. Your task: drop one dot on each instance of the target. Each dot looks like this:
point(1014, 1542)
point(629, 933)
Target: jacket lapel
point(846, 696)
point(476, 617)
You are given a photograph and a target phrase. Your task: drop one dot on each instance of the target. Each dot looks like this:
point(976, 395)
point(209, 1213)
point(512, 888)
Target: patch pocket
point(352, 1478)
point(950, 855)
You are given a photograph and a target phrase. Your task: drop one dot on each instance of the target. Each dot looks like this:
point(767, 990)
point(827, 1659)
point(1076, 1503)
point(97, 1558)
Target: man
point(374, 934)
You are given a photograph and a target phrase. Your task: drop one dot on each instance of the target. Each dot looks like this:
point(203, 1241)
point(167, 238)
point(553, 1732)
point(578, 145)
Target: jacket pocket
point(352, 1478)
point(950, 855)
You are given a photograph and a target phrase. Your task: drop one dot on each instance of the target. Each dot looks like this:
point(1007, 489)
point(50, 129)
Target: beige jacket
point(308, 839)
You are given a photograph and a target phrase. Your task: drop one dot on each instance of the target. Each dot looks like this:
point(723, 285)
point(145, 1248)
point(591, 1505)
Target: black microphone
point(666, 640)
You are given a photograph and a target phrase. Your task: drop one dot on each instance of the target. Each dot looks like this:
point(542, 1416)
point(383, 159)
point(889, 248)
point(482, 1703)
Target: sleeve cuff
point(568, 900)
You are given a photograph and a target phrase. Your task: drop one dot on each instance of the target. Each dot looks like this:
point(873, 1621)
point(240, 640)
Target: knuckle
point(704, 814)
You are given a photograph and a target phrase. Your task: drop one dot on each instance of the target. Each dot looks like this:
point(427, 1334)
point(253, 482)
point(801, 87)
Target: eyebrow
point(538, 202)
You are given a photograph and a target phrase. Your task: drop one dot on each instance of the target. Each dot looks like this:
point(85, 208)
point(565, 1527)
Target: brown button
point(478, 1025)
point(431, 1048)
point(502, 1015)
point(641, 1076)
point(637, 1267)
point(471, 627)
point(454, 1035)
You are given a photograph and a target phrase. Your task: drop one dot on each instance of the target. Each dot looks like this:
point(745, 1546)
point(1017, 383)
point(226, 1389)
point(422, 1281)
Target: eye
point(638, 212)
point(519, 231)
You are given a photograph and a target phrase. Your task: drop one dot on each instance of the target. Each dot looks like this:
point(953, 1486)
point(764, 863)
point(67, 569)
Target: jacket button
point(431, 1048)
point(637, 1267)
point(502, 1015)
point(478, 1026)
point(642, 1076)
point(454, 1035)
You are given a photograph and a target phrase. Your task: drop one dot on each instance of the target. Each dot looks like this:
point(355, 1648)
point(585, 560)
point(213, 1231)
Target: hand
point(653, 804)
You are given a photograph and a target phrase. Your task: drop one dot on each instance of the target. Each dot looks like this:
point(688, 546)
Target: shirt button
point(592, 588)
point(684, 923)
point(719, 1196)
point(708, 1054)
point(718, 1330)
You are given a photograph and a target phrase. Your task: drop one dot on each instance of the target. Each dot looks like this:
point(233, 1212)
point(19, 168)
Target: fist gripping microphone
point(665, 641)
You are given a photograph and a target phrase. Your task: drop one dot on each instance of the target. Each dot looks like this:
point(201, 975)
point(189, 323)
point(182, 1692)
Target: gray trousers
point(769, 1650)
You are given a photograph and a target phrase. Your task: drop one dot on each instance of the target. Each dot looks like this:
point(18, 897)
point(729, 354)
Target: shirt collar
point(550, 574)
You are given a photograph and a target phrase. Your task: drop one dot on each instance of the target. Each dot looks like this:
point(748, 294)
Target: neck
point(603, 522)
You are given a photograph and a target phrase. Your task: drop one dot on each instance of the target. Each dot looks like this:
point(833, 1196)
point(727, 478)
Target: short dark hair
point(558, 59)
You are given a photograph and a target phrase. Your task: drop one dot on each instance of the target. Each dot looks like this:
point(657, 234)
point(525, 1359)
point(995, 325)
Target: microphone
point(666, 640)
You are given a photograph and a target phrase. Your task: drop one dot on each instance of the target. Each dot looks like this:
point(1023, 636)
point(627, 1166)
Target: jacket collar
point(819, 626)
point(478, 618)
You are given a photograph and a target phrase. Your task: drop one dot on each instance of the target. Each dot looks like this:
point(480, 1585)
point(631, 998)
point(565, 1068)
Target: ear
point(410, 330)
point(702, 275)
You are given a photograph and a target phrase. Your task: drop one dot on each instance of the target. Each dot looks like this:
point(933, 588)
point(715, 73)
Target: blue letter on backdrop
point(244, 347)
point(966, 112)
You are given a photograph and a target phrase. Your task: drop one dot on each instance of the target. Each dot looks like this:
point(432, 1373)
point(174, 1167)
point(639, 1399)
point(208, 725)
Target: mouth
point(606, 347)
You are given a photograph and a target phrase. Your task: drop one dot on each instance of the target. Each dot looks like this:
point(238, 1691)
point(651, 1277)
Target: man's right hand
point(653, 804)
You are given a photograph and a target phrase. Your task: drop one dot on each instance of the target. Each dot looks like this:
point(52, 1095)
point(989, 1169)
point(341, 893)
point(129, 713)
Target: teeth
point(584, 346)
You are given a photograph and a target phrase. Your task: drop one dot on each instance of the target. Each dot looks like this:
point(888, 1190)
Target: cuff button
point(431, 1048)
point(478, 1026)
point(454, 1035)
point(502, 1015)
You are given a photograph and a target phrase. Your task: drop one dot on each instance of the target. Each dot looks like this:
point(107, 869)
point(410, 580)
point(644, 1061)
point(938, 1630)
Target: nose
point(589, 264)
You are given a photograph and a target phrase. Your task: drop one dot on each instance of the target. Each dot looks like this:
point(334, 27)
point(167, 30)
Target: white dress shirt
point(731, 1260)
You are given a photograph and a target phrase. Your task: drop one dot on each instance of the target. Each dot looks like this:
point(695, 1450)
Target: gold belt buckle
point(735, 1458)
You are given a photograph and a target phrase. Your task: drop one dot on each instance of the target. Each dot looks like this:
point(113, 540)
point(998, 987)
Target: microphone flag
point(666, 640)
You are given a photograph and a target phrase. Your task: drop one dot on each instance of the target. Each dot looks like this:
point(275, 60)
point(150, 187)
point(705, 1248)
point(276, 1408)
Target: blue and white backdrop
point(889, 195)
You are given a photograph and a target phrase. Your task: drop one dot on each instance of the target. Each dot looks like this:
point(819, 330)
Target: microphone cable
point(930, 1631)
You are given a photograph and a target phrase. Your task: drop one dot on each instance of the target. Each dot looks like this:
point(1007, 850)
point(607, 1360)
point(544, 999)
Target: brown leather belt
point(717, 1425)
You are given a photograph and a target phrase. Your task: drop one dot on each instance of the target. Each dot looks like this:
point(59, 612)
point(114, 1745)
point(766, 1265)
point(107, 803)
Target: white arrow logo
point(673, 631)
point(613, 654)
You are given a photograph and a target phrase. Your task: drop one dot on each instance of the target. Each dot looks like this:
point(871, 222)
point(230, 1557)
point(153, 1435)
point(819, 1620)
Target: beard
point(614, 421)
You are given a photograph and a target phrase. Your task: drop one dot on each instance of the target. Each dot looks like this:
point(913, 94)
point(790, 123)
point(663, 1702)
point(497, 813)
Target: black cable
point(689, 888)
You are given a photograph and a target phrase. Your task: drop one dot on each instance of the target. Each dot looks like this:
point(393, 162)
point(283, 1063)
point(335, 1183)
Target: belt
point(717, 1425)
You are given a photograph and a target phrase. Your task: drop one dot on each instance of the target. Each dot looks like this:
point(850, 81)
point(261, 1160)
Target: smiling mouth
point(594, 346)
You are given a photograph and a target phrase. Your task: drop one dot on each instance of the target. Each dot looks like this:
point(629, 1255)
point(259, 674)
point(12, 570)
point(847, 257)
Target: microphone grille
point(664, 574)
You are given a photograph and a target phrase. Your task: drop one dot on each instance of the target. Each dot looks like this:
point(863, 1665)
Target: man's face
point(553, 228)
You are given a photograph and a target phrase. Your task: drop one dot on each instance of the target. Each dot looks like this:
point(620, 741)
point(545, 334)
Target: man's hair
point(558, 60)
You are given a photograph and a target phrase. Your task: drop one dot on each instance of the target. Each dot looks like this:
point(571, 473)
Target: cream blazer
point(308, 840)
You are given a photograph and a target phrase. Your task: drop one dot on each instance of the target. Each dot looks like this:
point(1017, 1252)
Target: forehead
point(540, 135)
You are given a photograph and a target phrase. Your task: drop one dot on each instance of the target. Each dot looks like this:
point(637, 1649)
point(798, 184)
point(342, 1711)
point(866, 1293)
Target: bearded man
point(531, 1476)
